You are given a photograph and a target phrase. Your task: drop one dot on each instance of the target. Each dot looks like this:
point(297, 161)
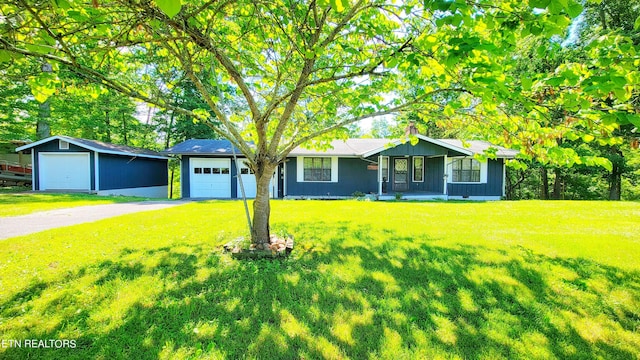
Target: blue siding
point(52, 146)
point(353, 176)
point(422, 148)
point(433, 176)
point(121, 172)
point(493, 187)
point(185, 183)
point(234, 180)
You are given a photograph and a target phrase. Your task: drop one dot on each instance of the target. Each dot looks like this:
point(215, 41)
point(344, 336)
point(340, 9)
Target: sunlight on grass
point(23, 204)
point(399, 280)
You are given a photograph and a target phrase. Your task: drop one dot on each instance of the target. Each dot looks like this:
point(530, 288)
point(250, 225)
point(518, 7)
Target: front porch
point(416, 177)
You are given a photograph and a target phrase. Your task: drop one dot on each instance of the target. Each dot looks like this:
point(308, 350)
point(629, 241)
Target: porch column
point(379, 175)
point(446, 175)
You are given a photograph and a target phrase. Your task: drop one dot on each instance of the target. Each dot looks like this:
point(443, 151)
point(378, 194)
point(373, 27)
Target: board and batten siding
point(120, 172)
point(185, 174)
point(433, 176)
point(52, 147)
point(422, 148)
point(493, 186)
point(353, 176)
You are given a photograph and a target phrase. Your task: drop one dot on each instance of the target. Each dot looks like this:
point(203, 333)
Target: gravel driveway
point(45, 220)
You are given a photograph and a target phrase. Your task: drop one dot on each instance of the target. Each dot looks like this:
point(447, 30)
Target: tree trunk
point(124, 129)
point(43, 129)
point(557, 185)
point(615, 179)
point(261, 205)
point(107, 122)
point(544, 195)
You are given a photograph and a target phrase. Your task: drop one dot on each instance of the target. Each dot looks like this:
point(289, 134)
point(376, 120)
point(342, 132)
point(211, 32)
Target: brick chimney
point(411, 129)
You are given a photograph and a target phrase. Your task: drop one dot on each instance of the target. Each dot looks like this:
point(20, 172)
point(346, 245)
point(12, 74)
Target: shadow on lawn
point(357, 293)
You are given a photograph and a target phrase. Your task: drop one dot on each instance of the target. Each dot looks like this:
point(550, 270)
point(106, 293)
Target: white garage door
point(210, 178)
point(249, 182)
point(64, 171)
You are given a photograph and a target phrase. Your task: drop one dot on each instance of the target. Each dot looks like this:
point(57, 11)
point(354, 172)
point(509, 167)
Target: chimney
point(411, 129)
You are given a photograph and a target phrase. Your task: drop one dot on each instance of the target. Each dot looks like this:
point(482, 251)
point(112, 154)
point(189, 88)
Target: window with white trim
point(466, 170)
point(418, 169)
point(63, 145)
point(317, 168)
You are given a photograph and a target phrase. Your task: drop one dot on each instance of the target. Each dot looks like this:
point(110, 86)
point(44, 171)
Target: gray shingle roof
point(99, 146)
point(203, 147)
point(349, 147)
point(479, 147)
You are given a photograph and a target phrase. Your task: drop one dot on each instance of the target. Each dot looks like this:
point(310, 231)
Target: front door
point(400, 174)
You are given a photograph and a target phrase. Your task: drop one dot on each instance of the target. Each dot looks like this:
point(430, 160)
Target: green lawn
point(12, 204)
point(522, 280)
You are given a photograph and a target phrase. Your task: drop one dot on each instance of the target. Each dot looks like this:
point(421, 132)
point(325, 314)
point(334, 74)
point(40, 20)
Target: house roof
point(346, 148)
point(203, 147)
point(98, 146)
point(349, 147)
point(479, 147)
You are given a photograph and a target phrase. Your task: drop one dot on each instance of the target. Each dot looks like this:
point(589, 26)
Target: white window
point(317, 169)
point(418, 169)
point(63, 145)
point(466, 170)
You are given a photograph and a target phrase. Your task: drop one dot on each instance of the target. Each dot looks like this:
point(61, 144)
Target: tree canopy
point(278, 74)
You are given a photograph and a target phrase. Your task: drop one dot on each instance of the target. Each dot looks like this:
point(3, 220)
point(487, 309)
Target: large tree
point(302, 71)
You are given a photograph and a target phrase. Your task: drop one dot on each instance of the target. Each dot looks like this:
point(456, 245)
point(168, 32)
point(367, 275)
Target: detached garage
point(62, 163)
point(208, 170)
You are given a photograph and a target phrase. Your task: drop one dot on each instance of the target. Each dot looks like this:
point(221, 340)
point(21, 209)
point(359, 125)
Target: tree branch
point(395, 109)
point(205, 43)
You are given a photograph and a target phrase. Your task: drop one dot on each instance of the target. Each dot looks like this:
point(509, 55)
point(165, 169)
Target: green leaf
point(574, 9)
point(42, 86)
point(63, 4)
point(338, 5)
point(588, 138)
point(634, 119)
point(5, 56)
point(540, 4)
point(636, 25)
point(621, 94)
point(448, 110)
point(526, 83)
point(170, 7)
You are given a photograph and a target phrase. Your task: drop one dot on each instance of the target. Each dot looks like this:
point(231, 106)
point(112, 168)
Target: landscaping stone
point(276, 247)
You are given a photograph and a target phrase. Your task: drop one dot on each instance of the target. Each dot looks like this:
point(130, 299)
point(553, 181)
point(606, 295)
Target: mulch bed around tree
point(277, 247)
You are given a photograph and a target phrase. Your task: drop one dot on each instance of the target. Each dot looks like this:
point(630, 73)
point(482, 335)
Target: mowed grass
point(12, 204)
point(521, 280)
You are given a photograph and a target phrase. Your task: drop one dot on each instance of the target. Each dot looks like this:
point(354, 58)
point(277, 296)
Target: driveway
point(45, 220)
